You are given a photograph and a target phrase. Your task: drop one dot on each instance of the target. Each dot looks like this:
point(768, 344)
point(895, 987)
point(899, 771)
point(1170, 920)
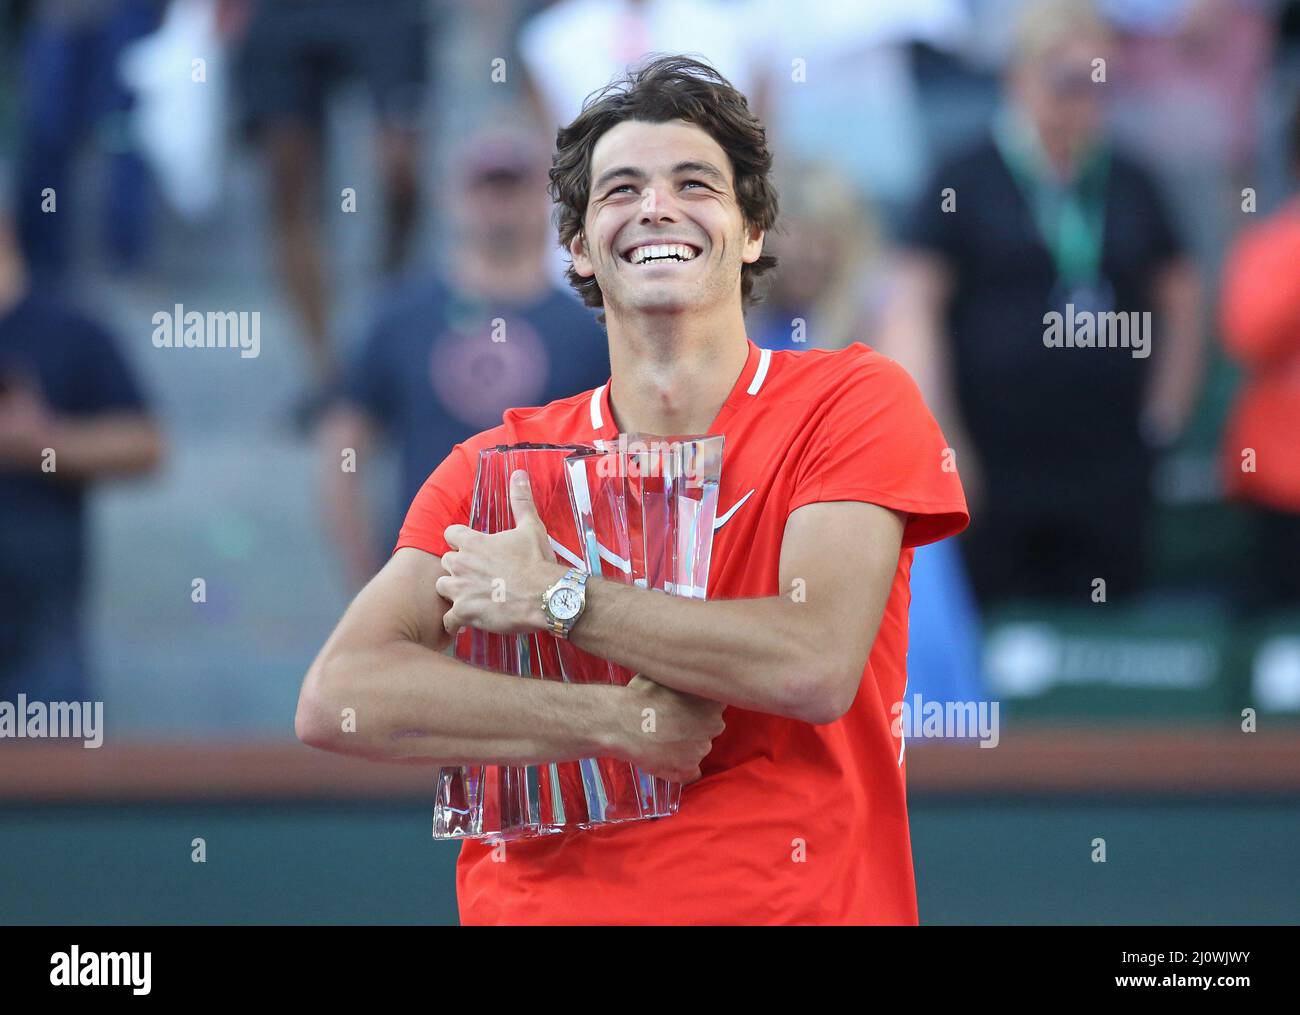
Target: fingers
point(521, 501)
point(458, 537)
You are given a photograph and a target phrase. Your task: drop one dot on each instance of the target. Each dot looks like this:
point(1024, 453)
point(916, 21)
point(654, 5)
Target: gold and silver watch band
point(575, 579)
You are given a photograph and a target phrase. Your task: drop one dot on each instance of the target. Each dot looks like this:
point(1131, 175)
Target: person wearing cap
point(71, 415)
point(451, 348)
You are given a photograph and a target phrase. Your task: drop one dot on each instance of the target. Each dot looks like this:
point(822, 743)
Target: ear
point(753, 248)
point(581, 259)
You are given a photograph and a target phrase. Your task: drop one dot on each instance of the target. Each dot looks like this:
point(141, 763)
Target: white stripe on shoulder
point(597, 419)
point(764, 358)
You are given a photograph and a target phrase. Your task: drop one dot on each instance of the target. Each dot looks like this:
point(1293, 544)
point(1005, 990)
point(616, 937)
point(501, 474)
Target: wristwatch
point(564, 602)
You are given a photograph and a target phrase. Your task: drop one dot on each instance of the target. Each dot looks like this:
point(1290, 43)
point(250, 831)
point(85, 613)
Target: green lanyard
point(1071, 218)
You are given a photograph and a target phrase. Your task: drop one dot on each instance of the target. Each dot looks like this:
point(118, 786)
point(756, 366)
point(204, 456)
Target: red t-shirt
point(791, 822)
point(1261, 330)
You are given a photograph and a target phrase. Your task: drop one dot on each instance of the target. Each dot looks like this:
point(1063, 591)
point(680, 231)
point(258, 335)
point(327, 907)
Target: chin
point(666, 304)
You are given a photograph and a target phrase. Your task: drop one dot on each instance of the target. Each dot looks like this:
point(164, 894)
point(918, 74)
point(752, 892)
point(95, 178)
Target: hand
point(1160, 426)
point(26, 426)
point(496, 582)
point(666, 732)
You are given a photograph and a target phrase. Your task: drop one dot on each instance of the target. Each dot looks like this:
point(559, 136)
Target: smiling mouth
point(660, 253)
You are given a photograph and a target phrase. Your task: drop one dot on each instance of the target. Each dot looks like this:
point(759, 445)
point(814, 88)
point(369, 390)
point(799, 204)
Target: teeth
point(678, 250)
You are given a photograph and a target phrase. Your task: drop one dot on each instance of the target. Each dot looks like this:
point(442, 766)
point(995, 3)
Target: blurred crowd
point(951, 174)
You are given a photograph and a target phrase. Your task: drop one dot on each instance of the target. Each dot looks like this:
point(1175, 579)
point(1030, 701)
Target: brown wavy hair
point(666, 88)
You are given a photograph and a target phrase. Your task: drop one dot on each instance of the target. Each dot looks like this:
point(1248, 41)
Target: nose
point(658, 203)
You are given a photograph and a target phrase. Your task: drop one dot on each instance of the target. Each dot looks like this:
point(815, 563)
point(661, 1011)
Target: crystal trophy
point(638, 510)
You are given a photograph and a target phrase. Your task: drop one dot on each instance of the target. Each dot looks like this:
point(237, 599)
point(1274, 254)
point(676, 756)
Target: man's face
point(504, 211)
point(663, 185)
point(1060, 95)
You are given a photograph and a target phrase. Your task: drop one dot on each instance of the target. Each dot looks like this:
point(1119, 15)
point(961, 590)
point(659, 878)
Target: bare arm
point(115, 445)
point(1176, 375)
point(85, 448)
point(347, 514)
point(912, 333)
point(797, 655)
point(414, 704)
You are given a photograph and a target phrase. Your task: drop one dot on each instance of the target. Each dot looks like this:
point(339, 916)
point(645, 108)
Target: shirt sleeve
point(443, 500)
point(1164, 243)
point(370, 381)
point(927, 228)
point(877, 442)
point(104, 379)
point(1260, 303)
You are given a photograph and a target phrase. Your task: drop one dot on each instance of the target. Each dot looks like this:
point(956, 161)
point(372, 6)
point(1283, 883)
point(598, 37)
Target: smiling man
point(833, 470)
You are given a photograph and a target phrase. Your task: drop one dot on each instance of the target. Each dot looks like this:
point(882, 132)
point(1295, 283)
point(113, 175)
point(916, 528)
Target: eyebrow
point(699, 168)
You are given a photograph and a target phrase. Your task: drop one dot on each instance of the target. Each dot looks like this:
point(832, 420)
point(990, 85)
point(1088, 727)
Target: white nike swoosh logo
point(722, 520)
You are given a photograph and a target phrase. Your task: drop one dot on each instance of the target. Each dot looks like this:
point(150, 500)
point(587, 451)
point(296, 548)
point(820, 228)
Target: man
point(71, 414)
point(448, 354)
point(1040, 217)
point(611, 34)
point(833, 470)
point(291, 59)
point(71, 89)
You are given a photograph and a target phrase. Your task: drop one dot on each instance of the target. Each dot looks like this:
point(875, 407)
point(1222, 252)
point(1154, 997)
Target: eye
point(621, 186)
point(698, 183)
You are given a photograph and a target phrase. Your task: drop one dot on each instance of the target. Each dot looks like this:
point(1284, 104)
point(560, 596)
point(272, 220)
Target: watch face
point(565, 603)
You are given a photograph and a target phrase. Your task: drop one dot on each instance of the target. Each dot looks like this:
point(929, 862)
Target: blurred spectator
point(1186, 84)
point(487, 331)
point(827, 291)
point(575, 47)
point(1046, 216)
point(293, 56)
point(70, 413)
point(70, 88)
point(10, 22)
point(826, 294)
point(1261, 450)
point(840, 87)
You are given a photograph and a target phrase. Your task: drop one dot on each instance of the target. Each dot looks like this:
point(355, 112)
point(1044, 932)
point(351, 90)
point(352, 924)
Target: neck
point(1063, 160)
point(514, 274)
point(670, 373)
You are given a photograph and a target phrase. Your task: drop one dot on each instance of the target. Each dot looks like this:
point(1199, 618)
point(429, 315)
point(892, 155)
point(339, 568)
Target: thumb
point(521, 501)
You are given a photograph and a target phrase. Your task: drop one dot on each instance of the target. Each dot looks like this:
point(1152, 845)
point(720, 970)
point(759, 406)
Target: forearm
point(914, 333)
point(412, 704)
point(1176, 375)
point(104, 446)
point(799, 657)
point(346, 430)
point(760, 654)
point(348, 519)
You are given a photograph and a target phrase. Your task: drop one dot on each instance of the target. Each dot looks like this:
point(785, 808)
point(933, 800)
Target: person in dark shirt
point(450, 351)
point(70, 414)
point(71, 90)
point(1041, 217)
